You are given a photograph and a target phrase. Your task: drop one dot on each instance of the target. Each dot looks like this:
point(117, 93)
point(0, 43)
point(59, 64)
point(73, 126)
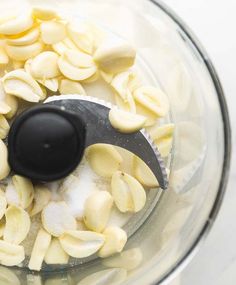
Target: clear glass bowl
point(200, 159)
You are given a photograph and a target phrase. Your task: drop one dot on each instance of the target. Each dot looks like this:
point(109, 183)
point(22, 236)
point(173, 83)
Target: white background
point(214, 23)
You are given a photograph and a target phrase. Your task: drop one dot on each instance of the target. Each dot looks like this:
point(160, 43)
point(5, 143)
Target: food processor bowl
point(172, 232)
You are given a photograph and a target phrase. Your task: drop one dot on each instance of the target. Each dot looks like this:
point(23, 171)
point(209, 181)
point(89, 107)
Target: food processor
point(163, 236)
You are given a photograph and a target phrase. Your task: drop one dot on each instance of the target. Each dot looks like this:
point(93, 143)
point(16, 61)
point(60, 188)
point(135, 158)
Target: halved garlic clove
point(129, 259)
point(22, 53)
point(41, 198)
point(44, 13)
point(143, 173)
point(40, 249)
point(104, 159)
point(12, 102)
point(163, 137)
point(114, 56)
point(4, 127)
point(44, 66)
point(81, 36)
point(4, 108)
point(11, 254)
point(52, 32)
point(3, 203)
point(97, 210)
point(64, 45)
point(80, 244)
point(4, 59)
point(7, 277)
point(56, 254)
point(153, 99)
point(17, 225)
point(76, 65)
point(27, 38)
point(71, 87)
point(25, 190)
point(22, 85)
point(127, 192)
point(126, 122)
point(16, 25)
point(115, 240)
point(57, 219)
point(4, 166)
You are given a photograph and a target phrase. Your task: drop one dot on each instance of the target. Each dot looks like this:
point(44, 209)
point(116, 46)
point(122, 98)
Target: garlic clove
point(52, 32)
point(42, 197)
point(25, 190)
point(22, 53)
point(16, 25)
point(11, 254)
point(27, 38)
point(71, 87)
point(56, 254)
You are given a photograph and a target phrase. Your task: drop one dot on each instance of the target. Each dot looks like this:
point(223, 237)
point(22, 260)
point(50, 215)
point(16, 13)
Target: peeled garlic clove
point(127, 192)
point(17, 24)
point(40, 249)
point(51, 84)
point(126, 122)
point(56, 254)
point(115, 240)
point(108, 77)
point(127, 104)
point(17, 225)
point(22, 85)
point(44, 65)
point(143, 173)
point(44, 13)
point(4, 166)
point(12, 102)
point(7, 277)
point(63, 46)
point(25, 52)
point(97, 210)
point(11, 254)
point(115, 56)
point(28, 38)
point(104, 159)
point(71, 87)
point(150, 116)
point(42, 197)
point(52, 32)
point(163, 137)
point(4, 127)
point(4, 59)
point(3, 203)
point(82, 37)
point(153, 99)
point(4, 108)
point(113, 276)
point(80, 244)
point(25, 190)
point(129, 259)
point(57, 219)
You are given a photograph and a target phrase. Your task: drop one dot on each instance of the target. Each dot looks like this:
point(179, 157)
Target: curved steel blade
point(99, 130)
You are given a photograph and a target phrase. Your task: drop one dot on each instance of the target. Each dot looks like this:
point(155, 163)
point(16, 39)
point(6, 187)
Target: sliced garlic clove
point(4, 166)
point(42, 197)
point(7, 277)
point(76, 65)
point(143, 173)
point(52, 32)
point(71, 87)
point(80, 244)
point(115, 240)
point(127, 192)
point(126, 122)
point(108, 77)
point(25, 190)
point(114, 56)
point(16, 25)
point(57, 219)
point(12, 102)
point(44, 13)
point(4, 108)
point(28, 38)
point(17, 225)
point(11, 254)
point(97, 210)
point(104, 159)
point(22, 53)
point(82, 37)
point(4, 59)
point(56, 254)
point(3, 203)
point(153, 99)
point(4, 127)
point(63, 46)
point(163, 137)
point(40, 249)
point(44, 66)
point(129, 259)
point(127, 104)
point(112, 276)
point(22, 85)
